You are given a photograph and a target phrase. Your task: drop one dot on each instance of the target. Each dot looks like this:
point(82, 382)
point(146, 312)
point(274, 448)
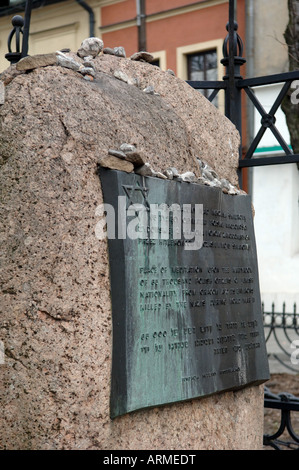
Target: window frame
point(161, 56)
point(183, 52)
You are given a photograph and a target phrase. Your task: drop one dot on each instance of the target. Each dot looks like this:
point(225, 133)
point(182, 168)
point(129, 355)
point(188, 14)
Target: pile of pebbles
point(127, 158)
point(91, 48)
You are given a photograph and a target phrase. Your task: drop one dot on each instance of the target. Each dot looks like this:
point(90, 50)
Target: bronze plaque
point(187, 318)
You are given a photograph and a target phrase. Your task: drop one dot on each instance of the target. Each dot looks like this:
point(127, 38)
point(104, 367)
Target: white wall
point(275, 194)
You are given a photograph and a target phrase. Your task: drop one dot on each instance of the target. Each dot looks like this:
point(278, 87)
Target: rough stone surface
point(9, 74)
point(202, 122)
point(2, 93)
point(55, 322)
point(35, 61)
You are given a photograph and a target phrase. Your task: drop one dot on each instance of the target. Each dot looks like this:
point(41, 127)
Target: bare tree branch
point(290, 109)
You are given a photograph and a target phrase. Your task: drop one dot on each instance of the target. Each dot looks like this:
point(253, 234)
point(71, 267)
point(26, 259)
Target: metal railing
point(282, 334)
point(233, 84)
point(286, 403)
point(282, 329)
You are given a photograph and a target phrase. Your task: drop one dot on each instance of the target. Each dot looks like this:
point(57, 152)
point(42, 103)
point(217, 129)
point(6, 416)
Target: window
point(156, 62)
point(203, 66)
point(201, 61)
point(159, 59)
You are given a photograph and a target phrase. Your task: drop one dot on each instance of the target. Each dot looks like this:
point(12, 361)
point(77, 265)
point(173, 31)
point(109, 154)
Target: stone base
point(56, 307)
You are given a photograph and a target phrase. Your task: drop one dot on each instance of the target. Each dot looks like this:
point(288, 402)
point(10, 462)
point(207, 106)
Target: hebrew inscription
point(186, 322)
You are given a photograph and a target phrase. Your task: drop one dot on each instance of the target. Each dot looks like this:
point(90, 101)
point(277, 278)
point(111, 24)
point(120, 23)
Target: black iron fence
point(282, 340)
point(287, 404)
point(282, 332)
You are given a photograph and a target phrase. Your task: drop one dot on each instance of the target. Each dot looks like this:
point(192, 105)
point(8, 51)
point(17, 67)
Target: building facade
point(183, 35)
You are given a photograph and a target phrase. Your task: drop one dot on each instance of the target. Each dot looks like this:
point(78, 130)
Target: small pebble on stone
point(115, 163)
point(67, 62)
point(117, 153)
point(121, 76)
point(213, 173)
point(168, 173)
point(87, 71)
point(211, 183)
point(89, 63)
point(134, 81)
point(89, 78)
point(132, 155)
point(160, 175)
point(217, 183)
point(225, 184)
point(174, 172)
point(143, 55)
point(108, 50)
point(36, 61)
point(149, 90)
point(188, 177)
point(90, 47)
point(201, 180)
point(136, 158)
point(145, 170)
point(127, 148)
point(207, 174)
point(120, 51)
point(233, 191)
point(201, 164)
